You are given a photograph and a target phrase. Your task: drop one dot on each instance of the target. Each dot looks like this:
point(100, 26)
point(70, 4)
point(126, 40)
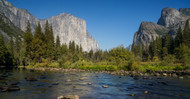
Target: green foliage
point(178, 67)
point(179, 37)
point(5, 56)
point(183, 54)
point(168, 60)
point(153, 66)
point(186, 34)
point(121, 57)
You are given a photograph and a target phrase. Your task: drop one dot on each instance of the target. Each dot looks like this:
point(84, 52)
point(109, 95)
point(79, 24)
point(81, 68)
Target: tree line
point(41, 47)
point(167, 48)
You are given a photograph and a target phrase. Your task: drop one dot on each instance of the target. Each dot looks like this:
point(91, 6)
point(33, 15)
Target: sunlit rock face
point(67, 26)
point(148, 31)
point(168, 23)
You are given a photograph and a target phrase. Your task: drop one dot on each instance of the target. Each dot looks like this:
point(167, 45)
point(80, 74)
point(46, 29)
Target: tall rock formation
point(168, 23)
point(67, 26)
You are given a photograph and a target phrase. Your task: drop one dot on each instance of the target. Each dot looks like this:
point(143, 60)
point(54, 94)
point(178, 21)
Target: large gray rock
point(67, 26)
point(170, 17)
point(148, 31)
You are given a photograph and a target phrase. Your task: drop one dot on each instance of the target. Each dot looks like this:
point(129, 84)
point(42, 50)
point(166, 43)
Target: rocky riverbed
point(57, 83)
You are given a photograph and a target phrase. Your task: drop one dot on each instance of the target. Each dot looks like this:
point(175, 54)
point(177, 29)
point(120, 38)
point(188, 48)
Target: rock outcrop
point(148, 31)
point(67, 26)
point(168, 23)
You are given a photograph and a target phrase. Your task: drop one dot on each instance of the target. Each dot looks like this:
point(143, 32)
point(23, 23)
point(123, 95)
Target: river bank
point(166, 73)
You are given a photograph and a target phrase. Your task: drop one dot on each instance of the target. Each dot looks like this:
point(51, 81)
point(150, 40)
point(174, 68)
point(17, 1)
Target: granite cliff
point(168, 23)
point(67, 26)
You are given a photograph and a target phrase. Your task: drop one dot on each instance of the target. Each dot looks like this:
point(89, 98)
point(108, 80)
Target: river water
point(119, 87)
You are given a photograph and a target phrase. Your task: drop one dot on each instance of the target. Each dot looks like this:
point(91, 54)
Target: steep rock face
point(7, 29)
point(148, 31)
point(185, 12)
point(170, 17)
point(67, 26)
point(168, 23)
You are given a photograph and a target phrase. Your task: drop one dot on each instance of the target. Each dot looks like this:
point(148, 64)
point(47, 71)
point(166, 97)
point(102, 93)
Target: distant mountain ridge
point(67, 26)
point(168, 23)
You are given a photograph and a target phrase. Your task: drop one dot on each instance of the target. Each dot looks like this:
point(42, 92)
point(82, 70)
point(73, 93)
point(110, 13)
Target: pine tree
point(16, 51)
point(11, 49)
point(38, 33)
point(81, 48)
point(47, 31)
point(186, 34)
point(58, 47)
point(179, 37)
point(28, 37)
point(4, 54)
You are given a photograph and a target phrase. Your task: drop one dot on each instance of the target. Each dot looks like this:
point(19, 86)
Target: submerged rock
point(68, 80)
point(31, 79)
point(104, 86)
point(56, 83)
point(181, 77)
point(68, 97)
point(6, 88)
point(145, 92)
point(131, 94)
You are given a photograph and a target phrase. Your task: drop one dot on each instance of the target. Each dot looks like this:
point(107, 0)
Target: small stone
point(60, 97)
point(105, 86)
point(174, 75)
point(89, 83)
point(132, 95)
point(156, 74)
point(164, 74)
point(31, 79)
point(181, 77)
point(145, 92)
point(81, 79)
point(68, 80)
point(69, 97)
point(56, 83)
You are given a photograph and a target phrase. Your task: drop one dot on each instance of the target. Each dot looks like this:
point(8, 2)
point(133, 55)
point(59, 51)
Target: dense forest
point(41, 49)
point(167, 49)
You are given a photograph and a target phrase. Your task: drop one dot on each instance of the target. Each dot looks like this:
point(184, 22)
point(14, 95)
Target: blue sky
point(110, 22)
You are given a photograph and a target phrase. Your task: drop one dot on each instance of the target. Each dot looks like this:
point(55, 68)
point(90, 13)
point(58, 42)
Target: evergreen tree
point(186, 34)
point(4, 54)
point(47, 31)
point(28, 37)
point(11, 49)
point(16, 51)
point(58, 47)
point(37, 50)
point(179, 37)
point(81, 50)
point(38, 33)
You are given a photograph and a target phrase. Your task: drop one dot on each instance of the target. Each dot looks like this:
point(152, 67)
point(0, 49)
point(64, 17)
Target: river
point(53, 84)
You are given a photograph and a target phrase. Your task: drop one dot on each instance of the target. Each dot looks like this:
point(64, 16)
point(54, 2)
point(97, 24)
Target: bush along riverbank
point(141, 70)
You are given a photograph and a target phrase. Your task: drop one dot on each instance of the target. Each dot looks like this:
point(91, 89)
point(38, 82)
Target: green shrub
point(178, 67)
